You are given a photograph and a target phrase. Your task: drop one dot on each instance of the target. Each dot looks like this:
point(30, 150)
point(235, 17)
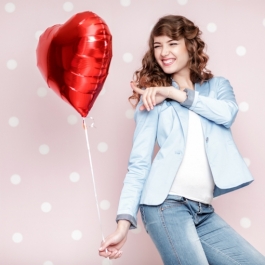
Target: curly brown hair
point(174, 27)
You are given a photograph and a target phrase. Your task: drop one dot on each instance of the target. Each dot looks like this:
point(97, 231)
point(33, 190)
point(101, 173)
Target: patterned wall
point(48, 213)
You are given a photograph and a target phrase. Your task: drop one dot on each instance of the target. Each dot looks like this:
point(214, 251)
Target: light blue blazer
point(149, 182)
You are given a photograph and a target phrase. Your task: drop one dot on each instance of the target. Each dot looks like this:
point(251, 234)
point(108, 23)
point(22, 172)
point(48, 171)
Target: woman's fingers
point(118, 255)
point(145, 95)
point(113, 244)
point(141, 92)
point(104, 253)
point(151, 96)
point(158, 99)
point(147, 99)
point(105, 244)
point(136, 89)
point(109, 252)
point(115, 254)
point(112, 253)
point(142, 107)
point(105, 250)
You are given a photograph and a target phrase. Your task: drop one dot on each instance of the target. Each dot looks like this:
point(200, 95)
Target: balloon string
point(93, 179)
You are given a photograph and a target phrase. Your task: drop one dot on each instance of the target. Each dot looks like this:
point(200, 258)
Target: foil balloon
point(74, 59)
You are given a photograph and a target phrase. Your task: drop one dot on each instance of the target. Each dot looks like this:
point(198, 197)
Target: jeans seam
point(168, 236)
point(219, 251)
point(142, 212)
point(143, 217)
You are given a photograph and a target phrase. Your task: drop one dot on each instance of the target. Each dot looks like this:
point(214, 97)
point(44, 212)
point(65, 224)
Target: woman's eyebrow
point(157, 42)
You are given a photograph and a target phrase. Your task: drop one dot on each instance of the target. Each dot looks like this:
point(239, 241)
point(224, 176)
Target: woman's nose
point(164, 51)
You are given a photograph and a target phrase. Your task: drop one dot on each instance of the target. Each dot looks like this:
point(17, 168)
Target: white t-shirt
point(194, 178)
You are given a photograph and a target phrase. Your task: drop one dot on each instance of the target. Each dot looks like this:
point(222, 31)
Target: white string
point(93, 179)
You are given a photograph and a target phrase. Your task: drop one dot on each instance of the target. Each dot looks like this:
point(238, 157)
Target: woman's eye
point(156, 46)
point(173, 43)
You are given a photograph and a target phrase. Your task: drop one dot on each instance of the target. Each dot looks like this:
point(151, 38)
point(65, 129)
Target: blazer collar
point(182, 113)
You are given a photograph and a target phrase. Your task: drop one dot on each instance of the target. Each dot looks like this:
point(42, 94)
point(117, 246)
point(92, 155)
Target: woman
point(189, 113)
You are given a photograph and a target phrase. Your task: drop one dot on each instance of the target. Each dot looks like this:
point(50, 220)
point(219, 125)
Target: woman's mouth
point(167, 62)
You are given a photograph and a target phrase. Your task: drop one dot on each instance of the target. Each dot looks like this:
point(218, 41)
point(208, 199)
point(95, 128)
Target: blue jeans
point(186, 232)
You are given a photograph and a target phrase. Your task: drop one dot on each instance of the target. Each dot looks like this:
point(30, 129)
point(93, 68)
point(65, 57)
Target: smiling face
point(172, 55)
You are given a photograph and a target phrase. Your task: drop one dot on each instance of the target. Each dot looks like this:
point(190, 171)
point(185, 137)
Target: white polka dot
point(104, 205)
point(245, 222)
point(243, 106)
point(102, 147)
point(125, 2)
point(211, 27)
point(107, 262)
point(42, 92)
point(44, 149)
point(47, 263)
point(10, 7)
point(138, 230)
point(17, 237)
point(182, 2)
point(46, 207)
point(76, 235)
point(74, 177)
point(263, 22)
point(129, 113)
point(102, 92)
point(11, 64)
point(72, 119)
point(241, 50)
point(38, 33)
point(68, 6)
point(127, 57)
point(247, 161)
point(15, 179)
point(13, 121)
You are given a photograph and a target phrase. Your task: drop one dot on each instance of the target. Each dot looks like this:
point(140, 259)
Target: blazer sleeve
point(139, 164)
point(222, 109)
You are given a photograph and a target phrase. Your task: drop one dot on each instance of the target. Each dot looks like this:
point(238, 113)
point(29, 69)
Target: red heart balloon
point(74, 59)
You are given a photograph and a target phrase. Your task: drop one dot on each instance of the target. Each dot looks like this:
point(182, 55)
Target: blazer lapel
point(183, 115)
point(183, 112)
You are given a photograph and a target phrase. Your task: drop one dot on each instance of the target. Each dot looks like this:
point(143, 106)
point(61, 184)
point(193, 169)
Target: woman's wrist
point(176, 94)
point(123, 225)
point(169, 91)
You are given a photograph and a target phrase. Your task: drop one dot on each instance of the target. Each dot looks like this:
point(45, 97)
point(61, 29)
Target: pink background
point(47, 207)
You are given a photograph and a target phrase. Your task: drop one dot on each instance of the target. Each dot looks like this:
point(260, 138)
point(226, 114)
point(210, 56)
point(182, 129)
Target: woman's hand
point(152, 95)
point(111, 248)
